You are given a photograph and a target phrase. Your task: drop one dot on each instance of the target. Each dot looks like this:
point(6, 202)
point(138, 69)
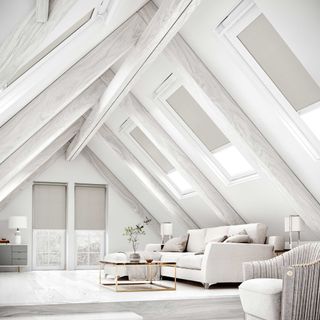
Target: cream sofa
point(219, 262)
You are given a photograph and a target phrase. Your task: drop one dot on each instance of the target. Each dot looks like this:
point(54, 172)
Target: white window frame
point(160, 97)
point(125, 129)
point(62, 266)
point(228, 29)
point(101, 235)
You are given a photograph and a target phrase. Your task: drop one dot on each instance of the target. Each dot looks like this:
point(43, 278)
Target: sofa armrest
point(228, 258)
point(153, 247)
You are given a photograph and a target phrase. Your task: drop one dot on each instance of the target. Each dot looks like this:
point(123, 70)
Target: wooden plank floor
point(70, 292)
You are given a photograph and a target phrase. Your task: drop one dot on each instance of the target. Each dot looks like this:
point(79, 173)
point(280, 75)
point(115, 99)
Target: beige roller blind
point(49, 206)
point(278, 61)
point(151, 150)
point(90, 207)
point(196, 119)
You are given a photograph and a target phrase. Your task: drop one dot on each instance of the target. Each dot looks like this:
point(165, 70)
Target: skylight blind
point(90, 207)
point(278, 61)
point(151, 150)
point(49, 206)
point(196, 119)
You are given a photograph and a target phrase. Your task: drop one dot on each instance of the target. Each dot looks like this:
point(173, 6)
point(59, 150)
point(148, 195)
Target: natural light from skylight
point(312, 120)
point(232, 161)
point(180, 182)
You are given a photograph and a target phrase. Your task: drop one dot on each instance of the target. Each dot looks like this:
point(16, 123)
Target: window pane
point(233, 162)
point(279, 63)
point(312, 120)
point(155, 154)
point(180, 182)
point(196, 119)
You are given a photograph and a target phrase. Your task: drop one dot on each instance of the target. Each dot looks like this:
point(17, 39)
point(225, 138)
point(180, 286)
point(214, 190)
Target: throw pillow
point(196, 240)
point(175, 245)
point(239, 238)
point(218, 239)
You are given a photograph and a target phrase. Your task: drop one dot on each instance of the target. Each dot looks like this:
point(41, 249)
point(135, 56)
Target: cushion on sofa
point(262, 298)
point(214, 233)
point(256, 231)
point(174, 256)
point(196, 240)
point(175, 244)
point(190, 262)
point(238, 238)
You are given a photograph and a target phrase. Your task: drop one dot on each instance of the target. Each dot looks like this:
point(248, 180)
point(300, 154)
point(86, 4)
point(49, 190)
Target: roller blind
point(90, 207)
point(49, 206)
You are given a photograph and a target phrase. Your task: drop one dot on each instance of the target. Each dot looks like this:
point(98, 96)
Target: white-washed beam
point(42, 10)
point(206, 89)
point(121, 189)
point(219, 205)
point(170, 17)
point(60, 93)
point(31, 178)
point(51, 131)
point(42, 158)
point(143, 174)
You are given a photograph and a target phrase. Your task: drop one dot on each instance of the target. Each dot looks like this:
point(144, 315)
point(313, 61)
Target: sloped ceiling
point(257, 200)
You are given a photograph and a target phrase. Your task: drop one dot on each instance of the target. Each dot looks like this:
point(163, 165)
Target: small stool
point(261, 298)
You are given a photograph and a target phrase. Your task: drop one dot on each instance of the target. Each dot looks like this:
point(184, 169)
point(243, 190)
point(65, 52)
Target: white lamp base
point(17, 237)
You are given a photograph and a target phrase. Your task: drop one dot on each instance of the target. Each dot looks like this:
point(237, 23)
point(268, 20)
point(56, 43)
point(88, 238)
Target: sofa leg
point(206, 285)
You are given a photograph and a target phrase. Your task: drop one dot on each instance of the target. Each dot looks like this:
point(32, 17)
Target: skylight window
point(311, 118)
point(180, 182)
point(233, 163)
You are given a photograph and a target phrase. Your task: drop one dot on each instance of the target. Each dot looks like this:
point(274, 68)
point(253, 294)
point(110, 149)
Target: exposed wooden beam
point(42, 158)
point(51, 101)
point(51, 131)
point(224, 211)
point(32, 177)
point(143, 174)
point(206, 89)
point(121, 189)
point(42, 10)
point(170, 17)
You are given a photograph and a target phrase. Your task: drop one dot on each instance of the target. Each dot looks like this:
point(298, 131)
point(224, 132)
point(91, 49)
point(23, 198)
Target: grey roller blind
point(151, 150)
point(278, 61)
point(196, 119)
point(49, 206)
point(90, 207)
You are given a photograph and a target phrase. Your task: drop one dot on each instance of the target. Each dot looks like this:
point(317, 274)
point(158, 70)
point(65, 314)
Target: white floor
point(60, 287)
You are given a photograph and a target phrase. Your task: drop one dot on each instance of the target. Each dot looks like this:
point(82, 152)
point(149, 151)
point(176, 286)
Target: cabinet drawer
point(19, 248)
point(19, 255)
point(19, 262)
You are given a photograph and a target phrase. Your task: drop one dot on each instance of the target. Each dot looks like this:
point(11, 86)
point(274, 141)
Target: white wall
point(119, 215)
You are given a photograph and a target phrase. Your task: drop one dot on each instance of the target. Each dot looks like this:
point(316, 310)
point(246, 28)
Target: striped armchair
point(298, 291)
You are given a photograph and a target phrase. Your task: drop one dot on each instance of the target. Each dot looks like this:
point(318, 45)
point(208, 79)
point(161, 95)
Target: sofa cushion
point(214, 233)
point(174, 256)
point(196, 240)
point(262, 298)
point(256, 231)
point(239, 238)
point(175, 245)
point(190, 262)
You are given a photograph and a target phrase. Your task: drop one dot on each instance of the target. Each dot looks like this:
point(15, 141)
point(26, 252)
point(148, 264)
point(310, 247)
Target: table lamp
point(165, 231)
point(17, 222)
point(292, 224)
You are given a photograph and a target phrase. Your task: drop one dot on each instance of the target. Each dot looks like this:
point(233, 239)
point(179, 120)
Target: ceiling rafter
point(66, 88)
point(167, 21)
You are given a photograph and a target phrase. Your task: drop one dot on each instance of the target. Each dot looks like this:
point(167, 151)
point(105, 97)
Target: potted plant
point(133, 233)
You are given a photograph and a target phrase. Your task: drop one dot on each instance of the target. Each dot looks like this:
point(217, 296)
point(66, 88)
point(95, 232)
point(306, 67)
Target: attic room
point(160, 159)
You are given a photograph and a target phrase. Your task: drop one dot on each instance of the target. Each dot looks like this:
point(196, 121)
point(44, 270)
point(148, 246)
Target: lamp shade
point(17, 222)
point(292, 223)
point(166, 229)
